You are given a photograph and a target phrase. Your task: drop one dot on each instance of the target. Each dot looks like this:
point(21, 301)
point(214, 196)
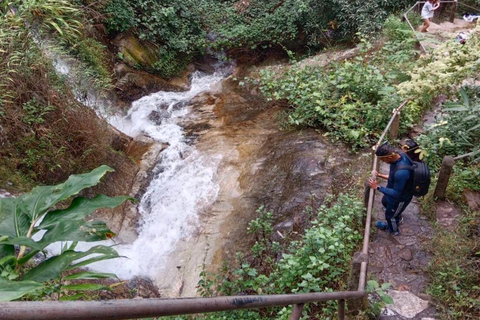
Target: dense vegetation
point(455, 267)
point(183, 29)
point(45, 133)
point(352, 99)
point(35, 213)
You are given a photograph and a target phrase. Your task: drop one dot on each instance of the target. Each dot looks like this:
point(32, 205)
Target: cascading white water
point(183, 183)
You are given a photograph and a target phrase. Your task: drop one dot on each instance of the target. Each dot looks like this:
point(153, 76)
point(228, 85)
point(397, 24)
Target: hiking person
point(427, 13)
point(398, 192)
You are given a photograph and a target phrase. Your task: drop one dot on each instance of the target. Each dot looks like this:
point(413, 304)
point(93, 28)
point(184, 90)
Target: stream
point(225, 156)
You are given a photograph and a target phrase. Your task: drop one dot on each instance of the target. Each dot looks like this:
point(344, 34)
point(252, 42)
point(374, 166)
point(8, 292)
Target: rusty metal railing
point(452, 15)
point(143, 308)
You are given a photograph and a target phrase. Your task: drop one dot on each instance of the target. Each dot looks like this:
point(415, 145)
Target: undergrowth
point(455, 269)
point(315, 262)
point(46, 133)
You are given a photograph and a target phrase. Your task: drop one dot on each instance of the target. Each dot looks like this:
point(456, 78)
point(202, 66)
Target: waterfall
point(183, 183)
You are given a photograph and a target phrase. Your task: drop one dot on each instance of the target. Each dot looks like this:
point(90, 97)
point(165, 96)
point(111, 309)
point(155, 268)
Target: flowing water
point(183, 184)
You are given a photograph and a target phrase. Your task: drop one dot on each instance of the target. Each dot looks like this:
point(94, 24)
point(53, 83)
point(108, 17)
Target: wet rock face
point(136, 52)
point(134, 84)
point(260, 165)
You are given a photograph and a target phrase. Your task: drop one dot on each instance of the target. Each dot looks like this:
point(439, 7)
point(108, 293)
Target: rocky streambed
point(255, 163)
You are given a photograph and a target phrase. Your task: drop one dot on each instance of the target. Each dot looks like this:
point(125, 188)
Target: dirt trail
point(442, 32)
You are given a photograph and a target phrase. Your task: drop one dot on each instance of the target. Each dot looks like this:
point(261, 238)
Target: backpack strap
point(403, 167)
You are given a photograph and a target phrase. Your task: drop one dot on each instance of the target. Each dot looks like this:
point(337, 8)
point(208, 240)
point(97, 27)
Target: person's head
point(409, 146)
point(387, 153)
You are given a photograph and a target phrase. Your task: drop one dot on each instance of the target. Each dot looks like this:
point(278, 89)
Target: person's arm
point(380, 175)
point(435, 7)
point(401, 179)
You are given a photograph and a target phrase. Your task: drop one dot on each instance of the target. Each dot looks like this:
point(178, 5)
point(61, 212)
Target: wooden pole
point(395, 126)
point(454, 11)
point(341, 309)
point(355, 305)
point(443, 177)
point(297, 312)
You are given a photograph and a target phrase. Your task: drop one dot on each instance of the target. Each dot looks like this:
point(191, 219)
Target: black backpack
point(421, 176)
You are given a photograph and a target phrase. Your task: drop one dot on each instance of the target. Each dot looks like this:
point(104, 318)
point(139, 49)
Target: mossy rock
point(135, 52)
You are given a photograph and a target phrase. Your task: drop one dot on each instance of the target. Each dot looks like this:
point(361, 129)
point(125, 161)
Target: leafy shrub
point(316, 262)
point(351, 100)
point(35, 112)
point(169, 63)
point(120, 15)
point(438, 73)
point(34, 212)
point(456, 130)
point(454, 269)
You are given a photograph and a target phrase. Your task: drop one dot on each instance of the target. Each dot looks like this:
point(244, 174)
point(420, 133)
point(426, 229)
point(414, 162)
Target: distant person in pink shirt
point(427, 13)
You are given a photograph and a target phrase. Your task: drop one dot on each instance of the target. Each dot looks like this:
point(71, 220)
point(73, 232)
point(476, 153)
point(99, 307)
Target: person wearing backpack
point(399, 189)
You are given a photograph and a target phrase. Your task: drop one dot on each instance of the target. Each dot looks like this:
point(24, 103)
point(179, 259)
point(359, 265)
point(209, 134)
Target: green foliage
point(454, 269)
point(169, 63)
point(34, 112)
point(378, 297)
point(352, 100)
point(366, 17)
point(91, 54)
point(19, 222)
point(189, 27)
point(439, 72)
point(456, 130)
point(317, 262)
point(121, 15)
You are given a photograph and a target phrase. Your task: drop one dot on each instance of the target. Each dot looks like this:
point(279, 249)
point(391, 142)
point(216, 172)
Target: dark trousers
point(394, 210)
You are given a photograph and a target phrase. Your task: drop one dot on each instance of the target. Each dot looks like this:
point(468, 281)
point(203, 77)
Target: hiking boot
point(381, 225)
point(400, 221)
point(396, 233)
point(384, 226)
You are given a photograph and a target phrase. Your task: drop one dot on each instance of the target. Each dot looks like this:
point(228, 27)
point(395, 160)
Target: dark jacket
point(399, 185)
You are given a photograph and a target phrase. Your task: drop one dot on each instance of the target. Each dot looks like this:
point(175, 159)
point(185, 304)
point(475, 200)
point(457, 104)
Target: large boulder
point(134, 84)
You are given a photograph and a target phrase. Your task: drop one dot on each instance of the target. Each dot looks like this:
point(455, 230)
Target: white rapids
point(183, 183)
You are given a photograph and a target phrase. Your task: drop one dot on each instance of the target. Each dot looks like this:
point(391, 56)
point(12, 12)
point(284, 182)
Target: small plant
point(379, 297)
point(35, 112)
point(38, 211)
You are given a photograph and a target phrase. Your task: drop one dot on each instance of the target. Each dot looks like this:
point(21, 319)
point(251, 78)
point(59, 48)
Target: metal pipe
point(341, 309)
point(468, 6)
point(143, 308)
point(366, 235)
point(296, 312)
point(465, 155)
point(405, 14)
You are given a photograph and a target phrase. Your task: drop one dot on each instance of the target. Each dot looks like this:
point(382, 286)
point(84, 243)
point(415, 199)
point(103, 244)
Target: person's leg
point(426, 24)
point(384, 201)
point(402, 206)
point(392, 223)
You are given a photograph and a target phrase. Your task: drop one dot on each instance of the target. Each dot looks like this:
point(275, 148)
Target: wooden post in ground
point(395, 126)
point(454, 11)
point(355, 305)
point(443, 177)
point(296, 312)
